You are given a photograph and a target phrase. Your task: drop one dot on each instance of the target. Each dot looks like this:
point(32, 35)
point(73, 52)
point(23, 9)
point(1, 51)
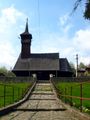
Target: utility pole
point(76, 65)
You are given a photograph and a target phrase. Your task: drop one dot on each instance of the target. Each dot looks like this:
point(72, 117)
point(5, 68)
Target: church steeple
point(26, 42)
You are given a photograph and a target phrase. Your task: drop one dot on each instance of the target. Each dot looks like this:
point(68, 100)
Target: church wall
point(43, 75)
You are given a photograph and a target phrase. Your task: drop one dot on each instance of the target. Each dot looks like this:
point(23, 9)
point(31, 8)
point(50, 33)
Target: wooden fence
point(16, 79)
point(71, 79)
point(9, 93)
point(68, 95)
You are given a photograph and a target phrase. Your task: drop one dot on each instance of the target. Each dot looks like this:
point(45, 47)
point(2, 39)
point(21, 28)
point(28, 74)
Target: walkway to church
point(42, 105)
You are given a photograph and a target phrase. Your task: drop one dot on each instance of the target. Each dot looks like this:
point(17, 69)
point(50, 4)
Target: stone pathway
point(42, 105)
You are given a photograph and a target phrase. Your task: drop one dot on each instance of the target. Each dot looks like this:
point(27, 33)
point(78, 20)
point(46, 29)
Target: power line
point(39, 18)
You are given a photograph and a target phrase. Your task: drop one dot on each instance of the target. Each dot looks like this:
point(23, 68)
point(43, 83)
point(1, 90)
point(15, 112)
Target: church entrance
point(42, 75)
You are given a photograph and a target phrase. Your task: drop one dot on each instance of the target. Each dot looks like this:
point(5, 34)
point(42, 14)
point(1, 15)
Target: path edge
point(10, 108)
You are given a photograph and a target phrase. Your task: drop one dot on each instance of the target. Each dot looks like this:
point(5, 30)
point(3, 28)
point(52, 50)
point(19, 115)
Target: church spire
point(26, 29)
point(26, 42)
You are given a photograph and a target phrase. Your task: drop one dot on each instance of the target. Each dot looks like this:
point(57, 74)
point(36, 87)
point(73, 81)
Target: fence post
point(4, 95)
point(22, 92)
point(81, 97)
point(71, 97)
point(18, 93)
point(65, 94)
point(13, 94)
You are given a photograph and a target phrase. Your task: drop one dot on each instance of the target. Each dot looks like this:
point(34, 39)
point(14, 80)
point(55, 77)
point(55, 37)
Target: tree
point(81, 65)
point(11, 74)
point(87, 8)
point(5, 72)
point(72, 67)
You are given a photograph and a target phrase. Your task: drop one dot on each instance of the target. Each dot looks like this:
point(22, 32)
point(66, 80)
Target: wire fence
point(13, 91)
point(75, 93)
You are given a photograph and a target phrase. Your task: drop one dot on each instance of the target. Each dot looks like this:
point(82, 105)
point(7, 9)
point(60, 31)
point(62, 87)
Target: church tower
point(26, 42)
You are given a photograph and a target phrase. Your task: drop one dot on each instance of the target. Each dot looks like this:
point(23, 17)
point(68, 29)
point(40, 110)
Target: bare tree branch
point(77, 3)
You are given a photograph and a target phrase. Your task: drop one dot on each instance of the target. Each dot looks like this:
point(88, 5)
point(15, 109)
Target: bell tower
point(26, 42)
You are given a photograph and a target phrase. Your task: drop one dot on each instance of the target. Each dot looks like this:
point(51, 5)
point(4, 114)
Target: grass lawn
point(12, 92)
point(76, 91)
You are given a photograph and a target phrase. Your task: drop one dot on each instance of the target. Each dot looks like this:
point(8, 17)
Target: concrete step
point(43, 81)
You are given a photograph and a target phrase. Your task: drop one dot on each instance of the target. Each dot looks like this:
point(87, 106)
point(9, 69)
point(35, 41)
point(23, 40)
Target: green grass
point(13, 92)
point(75, 92)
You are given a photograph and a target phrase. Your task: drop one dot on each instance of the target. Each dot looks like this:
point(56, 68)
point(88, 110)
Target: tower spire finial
point(26, 29)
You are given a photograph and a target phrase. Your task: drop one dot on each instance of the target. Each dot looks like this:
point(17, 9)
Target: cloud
point(79, 43)
point(11, 15)
point(10, 19)
point(67, 46)
point(64, 23)
point(82, 39)
point(7, 54)
point(64, 19)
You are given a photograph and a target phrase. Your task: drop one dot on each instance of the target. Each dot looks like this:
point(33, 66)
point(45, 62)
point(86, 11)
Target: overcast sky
point(52, 28)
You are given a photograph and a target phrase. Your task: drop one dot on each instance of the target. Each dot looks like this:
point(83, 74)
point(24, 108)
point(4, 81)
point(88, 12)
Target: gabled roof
point(37, 62)
point(43, 62)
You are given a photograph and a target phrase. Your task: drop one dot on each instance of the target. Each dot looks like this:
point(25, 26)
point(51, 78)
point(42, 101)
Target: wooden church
point(42, 64)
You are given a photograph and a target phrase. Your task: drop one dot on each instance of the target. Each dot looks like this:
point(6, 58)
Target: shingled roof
point(37, 62)
point(42, 62)
point(64, 65)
